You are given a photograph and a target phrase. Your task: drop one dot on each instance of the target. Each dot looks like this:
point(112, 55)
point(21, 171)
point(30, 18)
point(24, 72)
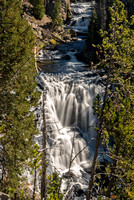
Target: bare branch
point(81, 150)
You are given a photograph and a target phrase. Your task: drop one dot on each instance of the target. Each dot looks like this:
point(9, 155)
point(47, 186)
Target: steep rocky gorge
point(47, 34)
point(70, 89)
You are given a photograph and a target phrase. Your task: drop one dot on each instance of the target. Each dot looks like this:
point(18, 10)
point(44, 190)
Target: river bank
point(47, 35)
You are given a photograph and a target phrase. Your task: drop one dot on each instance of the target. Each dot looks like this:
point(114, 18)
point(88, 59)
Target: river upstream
point(70, 88)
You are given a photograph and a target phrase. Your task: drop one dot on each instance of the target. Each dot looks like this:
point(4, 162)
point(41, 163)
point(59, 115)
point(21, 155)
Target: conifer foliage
point(39, 8)
point(56, 16)
point(116, 112)
point(18, 94)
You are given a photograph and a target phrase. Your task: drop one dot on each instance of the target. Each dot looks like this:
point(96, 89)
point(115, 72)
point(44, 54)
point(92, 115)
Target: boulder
point(73, 33)
point(66, 57)
point(4, 196)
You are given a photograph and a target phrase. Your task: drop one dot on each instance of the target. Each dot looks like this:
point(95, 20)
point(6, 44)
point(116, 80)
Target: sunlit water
point(70, 121)
point(70, 89)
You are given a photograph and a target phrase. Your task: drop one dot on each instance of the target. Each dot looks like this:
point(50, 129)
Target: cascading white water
point(70, 120)
point(81, 14)
point(68, 108)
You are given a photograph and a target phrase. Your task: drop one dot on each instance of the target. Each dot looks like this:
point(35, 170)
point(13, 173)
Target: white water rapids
point(81, 13)
point(70, 122)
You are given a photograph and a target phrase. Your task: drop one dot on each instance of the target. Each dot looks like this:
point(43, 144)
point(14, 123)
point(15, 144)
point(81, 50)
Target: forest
point(75, 77)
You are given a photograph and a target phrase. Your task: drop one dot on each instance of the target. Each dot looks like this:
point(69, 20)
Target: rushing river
point(70, 89)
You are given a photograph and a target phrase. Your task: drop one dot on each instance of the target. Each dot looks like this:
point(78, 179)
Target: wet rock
point(69, 174)
point(86, 168)
point(66, 57)
point(74, 39)
point(73, 50)
point(67, 41)
point(67, 37)
point(73, 33)
point(79, 56)
point(79, 192)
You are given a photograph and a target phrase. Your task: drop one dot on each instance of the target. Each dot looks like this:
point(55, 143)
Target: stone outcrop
point(4, 196)
point(46, 35)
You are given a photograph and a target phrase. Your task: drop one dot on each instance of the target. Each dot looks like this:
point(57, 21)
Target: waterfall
point(70, 89)
point(81, 14)
point(69, 117)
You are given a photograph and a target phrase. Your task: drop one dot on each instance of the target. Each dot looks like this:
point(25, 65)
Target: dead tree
point(44, 166)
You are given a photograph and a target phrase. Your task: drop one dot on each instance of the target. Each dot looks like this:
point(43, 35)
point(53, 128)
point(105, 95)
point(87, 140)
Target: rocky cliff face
point(4, 196)
point(46, 35)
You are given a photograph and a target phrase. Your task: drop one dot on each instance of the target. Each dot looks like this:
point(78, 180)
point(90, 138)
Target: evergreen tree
point(119, 122)
point(56, 17)
point(53, 187)
point(115, 113)
point(39, 8)
point(35, 165)
point(17, 66)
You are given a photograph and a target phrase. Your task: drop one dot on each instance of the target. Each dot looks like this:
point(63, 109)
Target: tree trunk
point(91, 182)
point(103, 14)
point(34, 188)
point(43, 178)
point(112, 177)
